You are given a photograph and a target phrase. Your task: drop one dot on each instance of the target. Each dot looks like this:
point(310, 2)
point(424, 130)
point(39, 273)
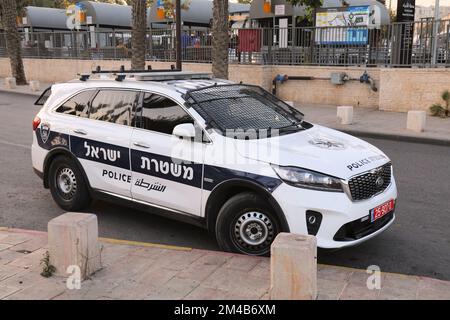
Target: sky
point(424, 3)
point(427, 3)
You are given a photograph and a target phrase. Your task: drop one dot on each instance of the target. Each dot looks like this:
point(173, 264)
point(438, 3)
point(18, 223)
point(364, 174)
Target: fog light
point(313, 221)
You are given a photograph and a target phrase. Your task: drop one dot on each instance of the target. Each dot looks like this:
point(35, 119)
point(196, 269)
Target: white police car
point(228, 157)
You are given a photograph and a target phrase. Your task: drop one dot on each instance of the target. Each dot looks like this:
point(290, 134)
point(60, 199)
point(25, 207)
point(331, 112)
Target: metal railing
point(397, 44)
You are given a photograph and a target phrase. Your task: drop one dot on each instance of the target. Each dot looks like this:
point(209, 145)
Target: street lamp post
point(435, 33)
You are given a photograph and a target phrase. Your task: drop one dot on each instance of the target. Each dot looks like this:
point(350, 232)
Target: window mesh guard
point(239, 106)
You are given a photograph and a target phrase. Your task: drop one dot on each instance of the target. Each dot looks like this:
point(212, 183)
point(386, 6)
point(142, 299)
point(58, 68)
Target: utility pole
point(435, 33)
point(178, 33)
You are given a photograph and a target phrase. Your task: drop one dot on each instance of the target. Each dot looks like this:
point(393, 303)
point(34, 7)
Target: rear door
point(167, 170)
point(101, 141)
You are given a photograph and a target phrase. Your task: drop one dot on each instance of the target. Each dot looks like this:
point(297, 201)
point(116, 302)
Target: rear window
point(44, 97)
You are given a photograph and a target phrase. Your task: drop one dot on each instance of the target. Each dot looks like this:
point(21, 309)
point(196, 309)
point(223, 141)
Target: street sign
point(405, 15)
point(406, 10)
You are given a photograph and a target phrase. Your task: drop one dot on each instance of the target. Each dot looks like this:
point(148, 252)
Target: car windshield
point(243, 107)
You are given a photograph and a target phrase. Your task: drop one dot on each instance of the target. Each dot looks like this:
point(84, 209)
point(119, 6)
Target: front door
point(166, 171)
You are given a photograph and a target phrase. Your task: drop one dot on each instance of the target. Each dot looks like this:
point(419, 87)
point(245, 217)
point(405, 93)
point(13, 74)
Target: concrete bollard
point(293, 267)
point(10, 83)
point(416, 120)
point(345, 114)
point(34, 85)
point(73, 240)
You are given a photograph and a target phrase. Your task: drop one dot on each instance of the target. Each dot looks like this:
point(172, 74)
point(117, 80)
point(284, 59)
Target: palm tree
point(220, 39)
point(138, 34)
point(8, 11)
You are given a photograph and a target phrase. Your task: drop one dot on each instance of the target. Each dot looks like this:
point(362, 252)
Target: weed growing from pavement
point(47, 268)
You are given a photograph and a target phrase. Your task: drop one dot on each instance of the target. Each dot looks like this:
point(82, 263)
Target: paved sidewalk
point(368, 122)
point(24, 89)
point(148, 271)
point(374, 123)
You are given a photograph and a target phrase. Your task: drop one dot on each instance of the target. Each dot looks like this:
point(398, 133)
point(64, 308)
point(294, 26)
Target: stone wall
point(412, 89)
point(398, 89)
point(321, 91)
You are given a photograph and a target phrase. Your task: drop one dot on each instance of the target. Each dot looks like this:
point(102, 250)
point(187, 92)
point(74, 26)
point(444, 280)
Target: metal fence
point(397, 44)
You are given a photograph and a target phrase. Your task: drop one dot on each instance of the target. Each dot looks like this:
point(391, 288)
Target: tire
point(67, 184)
point(247, 224)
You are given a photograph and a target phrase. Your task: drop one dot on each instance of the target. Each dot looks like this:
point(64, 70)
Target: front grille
point(361, 228)
point(369, 184)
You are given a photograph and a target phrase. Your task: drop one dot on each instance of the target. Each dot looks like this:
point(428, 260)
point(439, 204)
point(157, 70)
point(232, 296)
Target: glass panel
point(162, 114)
point(77, 105)
point(113, 106)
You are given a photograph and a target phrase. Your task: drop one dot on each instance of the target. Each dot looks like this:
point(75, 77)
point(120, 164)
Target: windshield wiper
point(295, 126)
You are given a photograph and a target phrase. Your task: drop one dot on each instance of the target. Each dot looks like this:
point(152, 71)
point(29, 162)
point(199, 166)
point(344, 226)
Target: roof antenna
point(84, 77)
point(120, 77)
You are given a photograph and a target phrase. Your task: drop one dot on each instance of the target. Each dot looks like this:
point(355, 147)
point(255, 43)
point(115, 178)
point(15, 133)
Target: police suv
point(228, 157)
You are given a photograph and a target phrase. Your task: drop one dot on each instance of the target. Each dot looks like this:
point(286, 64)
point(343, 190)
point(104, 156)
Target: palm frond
point(436, 109)
point(446, 97)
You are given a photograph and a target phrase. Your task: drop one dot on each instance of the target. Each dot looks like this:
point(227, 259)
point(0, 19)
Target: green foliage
point(446, 97)
point(311, 6)
point(306, 3)
point(442, 110)
point(47, 269)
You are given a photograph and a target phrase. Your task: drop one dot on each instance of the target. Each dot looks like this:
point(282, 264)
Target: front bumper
point(344, 223)
point(39, 173)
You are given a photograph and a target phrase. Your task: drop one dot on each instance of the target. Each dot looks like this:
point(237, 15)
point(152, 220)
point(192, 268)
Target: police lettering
point(358, 164)
point(116, 176)
point(101, 153)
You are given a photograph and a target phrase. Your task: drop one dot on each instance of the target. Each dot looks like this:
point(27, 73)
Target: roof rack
point(149, 74)
point(122, 70)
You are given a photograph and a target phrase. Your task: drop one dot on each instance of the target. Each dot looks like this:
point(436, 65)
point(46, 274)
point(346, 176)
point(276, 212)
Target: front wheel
point(67, 184)
point(246, 224)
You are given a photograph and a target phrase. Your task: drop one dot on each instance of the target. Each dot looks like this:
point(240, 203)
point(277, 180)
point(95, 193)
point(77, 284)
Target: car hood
point(319, 149)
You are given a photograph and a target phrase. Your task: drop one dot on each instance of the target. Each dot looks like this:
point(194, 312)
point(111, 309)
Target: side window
point(162, 114)
point(113, 106)
point(77, 105)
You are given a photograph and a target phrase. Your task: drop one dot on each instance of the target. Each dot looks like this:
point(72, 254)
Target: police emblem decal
point(45, 132)
point(325, 143)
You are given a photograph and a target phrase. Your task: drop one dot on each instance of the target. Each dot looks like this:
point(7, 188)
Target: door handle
point(141, 145)
point(80, 131)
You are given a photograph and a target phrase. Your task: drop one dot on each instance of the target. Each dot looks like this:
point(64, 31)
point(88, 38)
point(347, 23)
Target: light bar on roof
point(180, 75)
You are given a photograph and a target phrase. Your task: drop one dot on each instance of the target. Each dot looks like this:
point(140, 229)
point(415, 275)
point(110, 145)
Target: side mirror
point(184, 130)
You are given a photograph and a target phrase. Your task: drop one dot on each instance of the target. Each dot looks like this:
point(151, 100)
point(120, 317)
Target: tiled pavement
point(146, 271)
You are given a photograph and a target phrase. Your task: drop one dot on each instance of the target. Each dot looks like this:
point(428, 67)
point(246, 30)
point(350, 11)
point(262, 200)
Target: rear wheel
point(246, 224)
point(67, 184)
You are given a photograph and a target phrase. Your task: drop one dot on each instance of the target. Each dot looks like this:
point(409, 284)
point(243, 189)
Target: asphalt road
point(418, 242)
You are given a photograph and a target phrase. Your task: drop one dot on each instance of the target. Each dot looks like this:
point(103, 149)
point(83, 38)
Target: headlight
point(303, 178)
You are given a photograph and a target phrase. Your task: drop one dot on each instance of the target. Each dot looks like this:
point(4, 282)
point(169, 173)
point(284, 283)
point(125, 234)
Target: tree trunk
point(13, 46)
point(138, 34)
point(220, 39)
